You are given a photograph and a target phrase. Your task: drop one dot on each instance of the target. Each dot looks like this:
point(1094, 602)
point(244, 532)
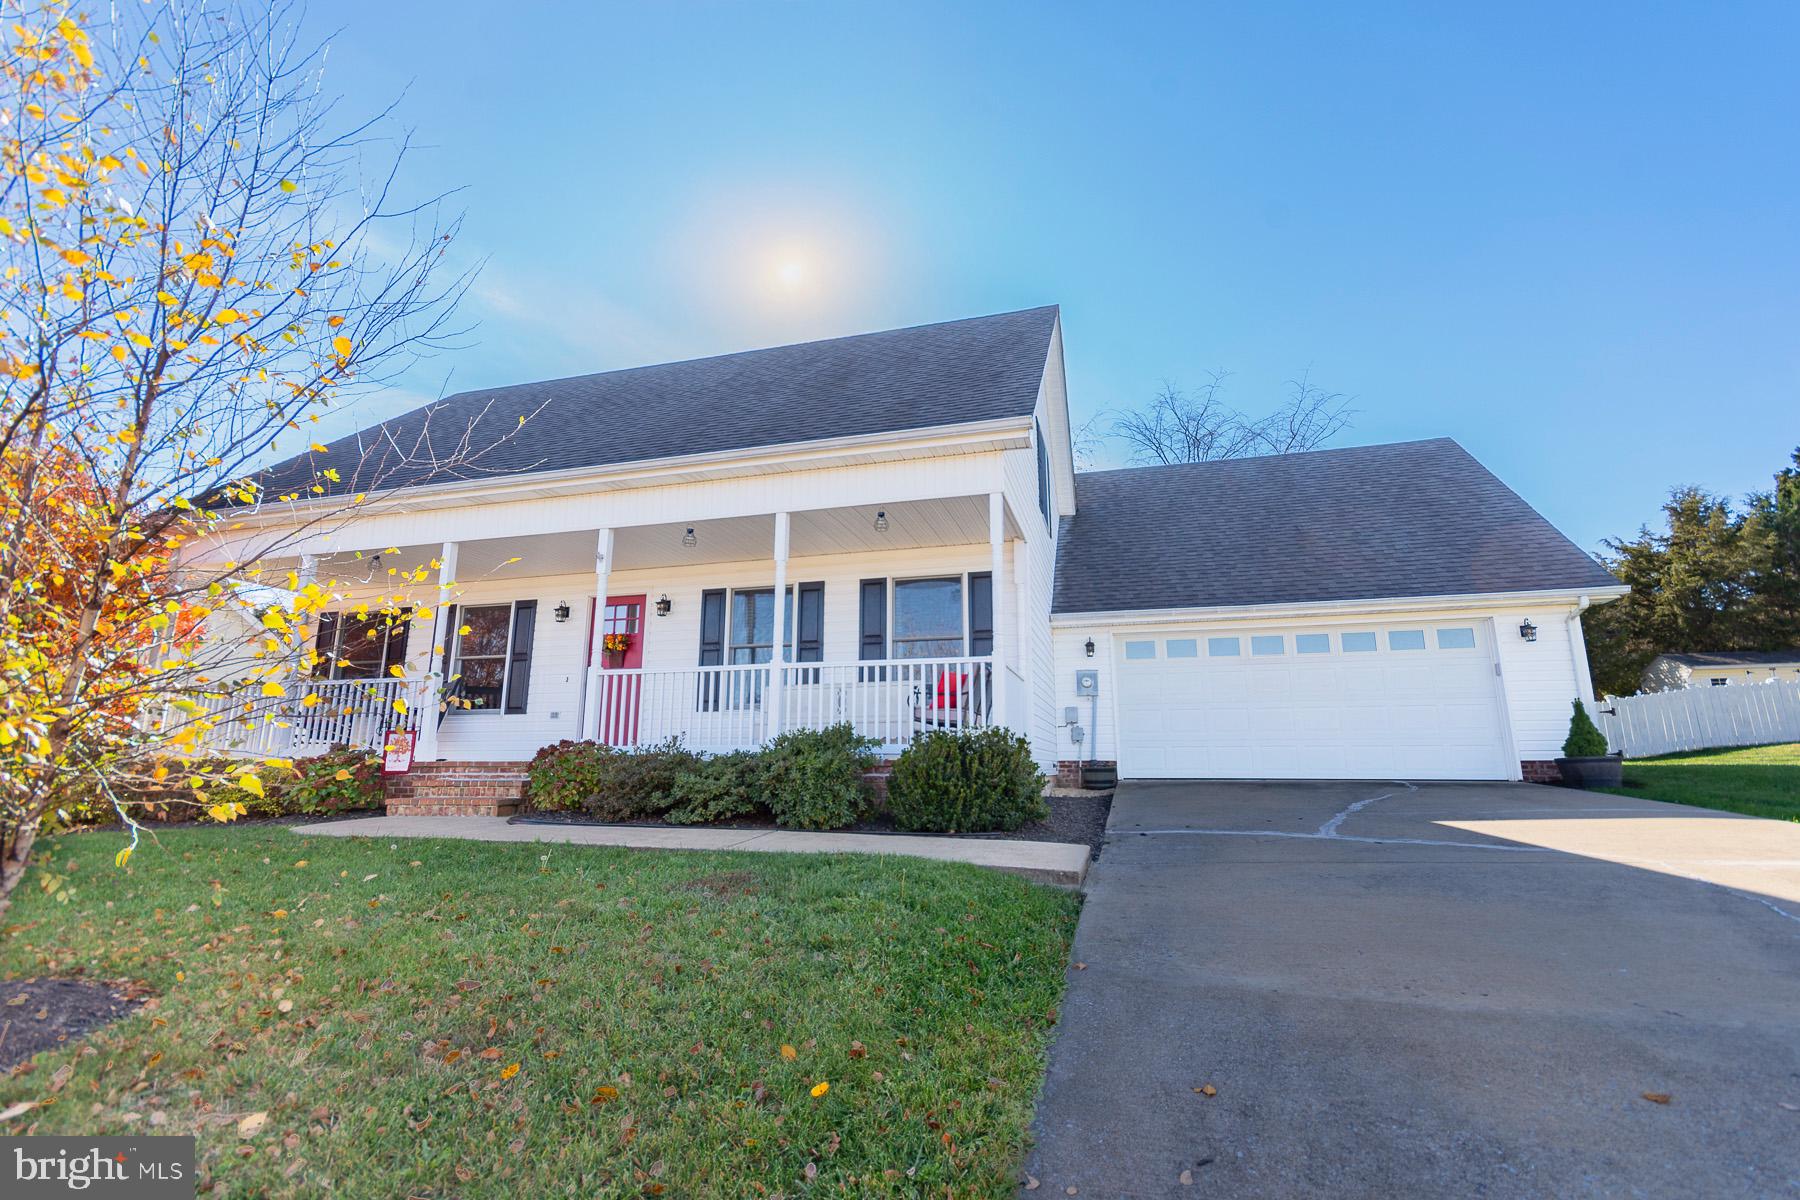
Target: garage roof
point(1402, 520)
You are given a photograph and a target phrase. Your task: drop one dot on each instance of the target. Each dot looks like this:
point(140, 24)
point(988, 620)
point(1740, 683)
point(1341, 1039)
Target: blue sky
point(1566, 235)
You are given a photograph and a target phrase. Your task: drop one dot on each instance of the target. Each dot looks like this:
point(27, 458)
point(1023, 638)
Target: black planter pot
point(1099, 778)
point(1604, 771)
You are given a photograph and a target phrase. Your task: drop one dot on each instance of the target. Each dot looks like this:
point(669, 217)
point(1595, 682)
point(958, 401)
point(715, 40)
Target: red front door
point(621, 630)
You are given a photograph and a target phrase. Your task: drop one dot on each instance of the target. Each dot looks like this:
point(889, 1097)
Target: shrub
point(813, 778)
point(335, 782)
point(1585, 739)
point(609, 783)
point(965, 782)
point(718, 789)
point(561, 776)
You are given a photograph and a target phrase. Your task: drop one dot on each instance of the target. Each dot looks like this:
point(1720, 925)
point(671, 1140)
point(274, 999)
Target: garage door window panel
point(1406, 639)
point(1312, 643)
point(1357, 643)
point(1182, 648)
point(1269, 645)
point(1222, 647)
point(1138, 651)
point(1459, 638)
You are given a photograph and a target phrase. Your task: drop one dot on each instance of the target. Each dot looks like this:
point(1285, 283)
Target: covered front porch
point(895, 618)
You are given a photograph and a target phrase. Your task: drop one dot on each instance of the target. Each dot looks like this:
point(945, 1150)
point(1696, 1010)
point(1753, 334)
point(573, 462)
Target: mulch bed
point(42, 1014)
point(1076, 820)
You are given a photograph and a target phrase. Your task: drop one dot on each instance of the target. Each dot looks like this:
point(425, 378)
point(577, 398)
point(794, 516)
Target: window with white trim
point(358, 644)
point(483, 649)
point(928, 618)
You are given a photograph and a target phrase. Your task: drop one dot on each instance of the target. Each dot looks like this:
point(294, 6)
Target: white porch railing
point(715, 709)
point(357, 713)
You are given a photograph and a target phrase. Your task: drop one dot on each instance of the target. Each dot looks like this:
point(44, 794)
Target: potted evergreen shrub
point(1585, 762)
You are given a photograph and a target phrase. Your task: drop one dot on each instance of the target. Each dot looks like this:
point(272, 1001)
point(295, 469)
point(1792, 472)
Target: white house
point(1671, 672)
point(1385, 612)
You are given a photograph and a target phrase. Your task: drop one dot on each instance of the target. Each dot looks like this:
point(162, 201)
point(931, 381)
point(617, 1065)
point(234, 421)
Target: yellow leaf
point(311, 700)
point(789, 1053)
point(122, 857)
point(342, 775)
point(400, 706)
point(250, 1125)
point(250, 783)
point(288, 185)
point(820, 1088)
point(509, 1070)
point(273, 689)
point(226, 316)
point(397, 671)
point(342, 346)
point(318, 448)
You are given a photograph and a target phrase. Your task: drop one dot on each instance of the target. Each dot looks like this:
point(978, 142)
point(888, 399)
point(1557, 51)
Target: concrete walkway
point(1496, 991)
point(1046, 862)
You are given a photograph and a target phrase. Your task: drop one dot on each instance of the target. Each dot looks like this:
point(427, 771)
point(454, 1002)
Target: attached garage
point(1409, 700)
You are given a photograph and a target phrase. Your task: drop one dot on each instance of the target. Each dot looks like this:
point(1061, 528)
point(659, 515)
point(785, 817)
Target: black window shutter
point(981, 613)
point(712, 627)
point(809, 623)
point(396, 640)
point(1043, 464)
point(712, 647)
point(518, 672)
point(874, 619)
point(326, 645)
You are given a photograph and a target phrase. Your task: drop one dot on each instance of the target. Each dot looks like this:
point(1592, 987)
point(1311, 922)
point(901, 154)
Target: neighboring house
point(1669, 672)
point(899, 512)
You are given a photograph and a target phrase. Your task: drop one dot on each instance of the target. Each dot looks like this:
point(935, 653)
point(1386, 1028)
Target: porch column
point(997, 549)
point(1021, 622)
point(596, 665)
point(437, 657)
point(781, 637)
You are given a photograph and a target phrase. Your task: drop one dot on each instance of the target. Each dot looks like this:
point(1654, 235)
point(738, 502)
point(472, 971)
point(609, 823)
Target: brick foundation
point(1541, 770)
point(457, 789)
point(1068, 772)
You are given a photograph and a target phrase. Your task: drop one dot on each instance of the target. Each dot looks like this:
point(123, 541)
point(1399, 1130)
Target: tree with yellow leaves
point(192, 275)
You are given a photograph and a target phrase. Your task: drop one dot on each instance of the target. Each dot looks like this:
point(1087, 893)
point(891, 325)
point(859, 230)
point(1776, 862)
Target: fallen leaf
point(1658, 1097)
point(1206, 1089)
point(820, 1088)
point(286, 1006)
point(858, 1050)
point(788, 1052)
point(1031, 1183)
point(249, 1126)
point(509, 1070)
point(1081, 966)
point(1186, 1179)
point(605, 1094)
point(19, 1109)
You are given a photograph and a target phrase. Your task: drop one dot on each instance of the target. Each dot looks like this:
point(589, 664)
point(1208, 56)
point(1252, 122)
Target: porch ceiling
point(946, 521)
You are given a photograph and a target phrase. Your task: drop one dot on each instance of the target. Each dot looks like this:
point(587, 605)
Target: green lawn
point(372, 998)
point(1763, 781)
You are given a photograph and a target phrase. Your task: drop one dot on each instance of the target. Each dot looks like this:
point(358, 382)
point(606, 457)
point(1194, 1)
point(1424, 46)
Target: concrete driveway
point(1433, 990)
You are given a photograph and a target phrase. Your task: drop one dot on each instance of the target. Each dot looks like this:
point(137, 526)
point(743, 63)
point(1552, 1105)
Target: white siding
point(1539, 678)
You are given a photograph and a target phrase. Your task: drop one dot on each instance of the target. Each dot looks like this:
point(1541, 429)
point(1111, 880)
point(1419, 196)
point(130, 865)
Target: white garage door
point(1405, 701)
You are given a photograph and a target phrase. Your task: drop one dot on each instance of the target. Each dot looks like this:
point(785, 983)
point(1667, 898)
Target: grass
point(1761, 781)
point(371, 997)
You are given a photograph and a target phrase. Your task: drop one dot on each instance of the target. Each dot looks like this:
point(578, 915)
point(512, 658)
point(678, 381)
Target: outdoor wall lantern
point(1089, 647)
point(1527, 630)
point(663, 606)
point(688, 539)
point(562, 612)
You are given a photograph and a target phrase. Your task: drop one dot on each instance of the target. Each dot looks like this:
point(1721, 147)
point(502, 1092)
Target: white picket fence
point(1739, 714)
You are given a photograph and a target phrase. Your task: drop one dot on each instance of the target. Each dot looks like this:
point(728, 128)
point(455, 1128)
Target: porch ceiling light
point(688, 539)
point(1527, 630)
point(662, 605)
point(881, 521)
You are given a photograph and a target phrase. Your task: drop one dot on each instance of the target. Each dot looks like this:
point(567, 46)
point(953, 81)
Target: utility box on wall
point(1087, 683)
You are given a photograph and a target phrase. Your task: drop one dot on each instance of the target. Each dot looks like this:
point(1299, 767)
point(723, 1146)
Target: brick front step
point(457, 789)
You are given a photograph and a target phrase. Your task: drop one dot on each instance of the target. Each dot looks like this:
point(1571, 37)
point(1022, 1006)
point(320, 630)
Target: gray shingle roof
point(1734, 658)
point(978, 369)
point(1373, 522)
